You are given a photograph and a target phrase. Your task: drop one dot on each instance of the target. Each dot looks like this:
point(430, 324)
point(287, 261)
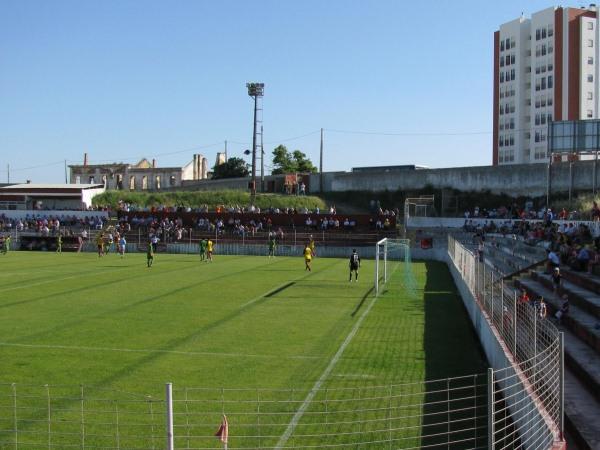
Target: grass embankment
point(455, 203)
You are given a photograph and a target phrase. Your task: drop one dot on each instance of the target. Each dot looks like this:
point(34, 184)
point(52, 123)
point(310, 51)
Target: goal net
point(392, 261)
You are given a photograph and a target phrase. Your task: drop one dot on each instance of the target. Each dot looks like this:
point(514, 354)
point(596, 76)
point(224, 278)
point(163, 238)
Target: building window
point(590, 42)
point(512, 74)
point(501, 46)
point(590, 113)
point(550, 31)
point(77, 179)
point(590, 25)
point(512, 59)
point(119, 181)
point(590, 60)
point(92, 180)
point(172, 180)
point(157, 182)
point(538, 34)
point(132, 183)
point(590, 78)
point(543, 33)
point(590, 96)
point(144, 182)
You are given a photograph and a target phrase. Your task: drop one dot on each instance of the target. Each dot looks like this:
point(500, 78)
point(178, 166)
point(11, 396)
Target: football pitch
point(239, 322)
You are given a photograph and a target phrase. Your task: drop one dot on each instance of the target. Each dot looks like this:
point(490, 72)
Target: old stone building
point(141, 176)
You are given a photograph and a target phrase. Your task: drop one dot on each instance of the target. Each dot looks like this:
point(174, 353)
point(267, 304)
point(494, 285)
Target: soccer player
point(203, 245)
point(122, 244)
point(100, 242)
point(354, 265)
point(312, 246)
point(209, 250)
point(59, 244)
point(272, 246)
point(6, 244)
point(109, 242)
point(150, 254)
point(307, 256)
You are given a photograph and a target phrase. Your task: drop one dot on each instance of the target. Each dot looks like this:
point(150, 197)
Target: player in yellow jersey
point(307, 256)
point(209, 250)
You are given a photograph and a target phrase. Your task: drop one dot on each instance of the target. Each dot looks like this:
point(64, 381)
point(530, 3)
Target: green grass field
point(240, 322)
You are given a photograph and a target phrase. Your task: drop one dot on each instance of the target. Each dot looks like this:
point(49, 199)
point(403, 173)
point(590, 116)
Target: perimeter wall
point(518, 179)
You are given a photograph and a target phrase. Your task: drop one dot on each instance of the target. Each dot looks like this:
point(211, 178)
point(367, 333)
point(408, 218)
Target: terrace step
point(580, 329)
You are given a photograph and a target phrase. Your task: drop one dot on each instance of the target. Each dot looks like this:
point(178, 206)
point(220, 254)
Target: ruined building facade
point(141, 176)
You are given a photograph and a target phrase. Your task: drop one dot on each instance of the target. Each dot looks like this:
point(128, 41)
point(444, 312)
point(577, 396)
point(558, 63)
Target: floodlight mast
point(255, 90)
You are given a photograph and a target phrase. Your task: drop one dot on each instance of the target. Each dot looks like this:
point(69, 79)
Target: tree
point(286, 162)
point(233, 168)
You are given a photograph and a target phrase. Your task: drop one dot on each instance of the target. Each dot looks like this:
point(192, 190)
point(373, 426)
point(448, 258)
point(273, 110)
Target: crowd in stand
point(49, 225)
point(564, 241)
point(529, 212)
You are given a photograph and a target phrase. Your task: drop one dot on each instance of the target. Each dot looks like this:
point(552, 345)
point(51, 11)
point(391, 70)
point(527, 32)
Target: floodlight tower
point(255, 90)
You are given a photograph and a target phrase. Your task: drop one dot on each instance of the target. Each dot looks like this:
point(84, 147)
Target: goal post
point(390, 255)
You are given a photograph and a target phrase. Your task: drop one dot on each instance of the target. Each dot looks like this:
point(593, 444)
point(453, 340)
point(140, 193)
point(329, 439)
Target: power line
point(472, 133)
point(33, 167)
point(311, 133)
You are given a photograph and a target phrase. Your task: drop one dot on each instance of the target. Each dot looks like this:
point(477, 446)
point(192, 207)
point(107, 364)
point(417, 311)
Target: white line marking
point(296, 419)
point(132, 350)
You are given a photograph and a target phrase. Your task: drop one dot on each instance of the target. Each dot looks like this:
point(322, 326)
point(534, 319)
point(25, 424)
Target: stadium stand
point(524, 264)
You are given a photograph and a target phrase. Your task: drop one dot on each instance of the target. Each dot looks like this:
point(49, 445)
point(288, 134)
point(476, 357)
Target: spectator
point(593, 262)
point(523, 297)
point(564, 309)
point(595, 211)
point(556, 278)
point(552, 262)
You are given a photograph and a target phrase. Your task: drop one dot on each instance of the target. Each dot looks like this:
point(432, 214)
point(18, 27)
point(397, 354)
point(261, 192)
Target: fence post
point(561, 381)
point(514, 326)
point(169, 402)
point(490, 378)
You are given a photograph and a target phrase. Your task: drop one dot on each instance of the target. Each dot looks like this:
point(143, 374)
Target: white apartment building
point(545, 69)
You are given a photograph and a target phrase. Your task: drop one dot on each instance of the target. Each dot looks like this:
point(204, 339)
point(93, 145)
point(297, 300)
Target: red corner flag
point(223, 431)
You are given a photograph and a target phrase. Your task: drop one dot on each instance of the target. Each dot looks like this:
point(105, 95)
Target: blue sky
point(390, 81)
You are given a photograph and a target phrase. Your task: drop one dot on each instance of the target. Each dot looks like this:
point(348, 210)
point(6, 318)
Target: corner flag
point(223, 431)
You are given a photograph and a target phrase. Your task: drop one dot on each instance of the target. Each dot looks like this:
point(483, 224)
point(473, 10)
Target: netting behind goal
point(392, 261)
